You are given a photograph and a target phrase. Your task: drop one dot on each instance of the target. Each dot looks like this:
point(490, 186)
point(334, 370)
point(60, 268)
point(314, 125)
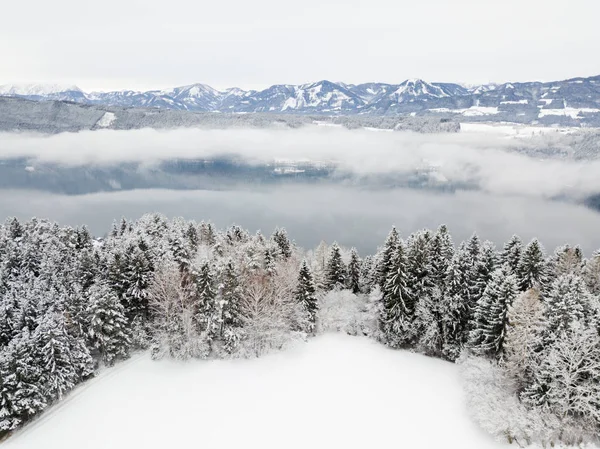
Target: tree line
point(71, 304)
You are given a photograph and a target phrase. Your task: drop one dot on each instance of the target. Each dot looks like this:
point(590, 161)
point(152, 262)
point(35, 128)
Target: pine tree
point(567, 302)
point(22, 377)
point(484, 267)
point(441, 252)
point(419, 279)
point(65, 360)
point(398, 303)
point(368, 275)
point(283, 242)
point(385, 257)
point(567, 260)
point(591, 274)
point(305, 295)
point(230, 306)
point(511, 254)
point(335, 272)
point(207, 314)
point(488, 327)
point(456, 305)
point(354, 270)
point(108, 329)
point(531, 272)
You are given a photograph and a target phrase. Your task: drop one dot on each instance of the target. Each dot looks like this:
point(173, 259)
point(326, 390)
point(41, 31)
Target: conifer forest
point(523, 325)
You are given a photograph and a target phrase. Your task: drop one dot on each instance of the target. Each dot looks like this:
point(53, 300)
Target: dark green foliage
point(335, 271)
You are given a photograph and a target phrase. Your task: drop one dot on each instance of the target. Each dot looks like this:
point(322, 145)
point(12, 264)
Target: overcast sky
point(141, 44)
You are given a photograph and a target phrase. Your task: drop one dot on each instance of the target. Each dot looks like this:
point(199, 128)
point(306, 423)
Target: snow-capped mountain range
point(575, 101)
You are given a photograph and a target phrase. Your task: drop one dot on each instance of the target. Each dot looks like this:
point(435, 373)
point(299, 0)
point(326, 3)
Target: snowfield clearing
point(334, 392)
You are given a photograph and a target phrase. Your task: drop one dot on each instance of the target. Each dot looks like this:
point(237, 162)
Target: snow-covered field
point(334, 392)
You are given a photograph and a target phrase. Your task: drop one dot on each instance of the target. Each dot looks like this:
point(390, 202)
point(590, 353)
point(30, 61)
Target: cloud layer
point(484, 159)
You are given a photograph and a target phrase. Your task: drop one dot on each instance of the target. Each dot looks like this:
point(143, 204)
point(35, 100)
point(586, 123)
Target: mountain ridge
point(575, 101)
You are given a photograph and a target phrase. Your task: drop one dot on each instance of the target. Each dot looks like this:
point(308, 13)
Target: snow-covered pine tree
point(567, 302)
point(385, 257)
point(455, 307)
point(306, 295)
point(21, 385)
point(108, 330)
point(591, 274)
point(207, 313)
point(368, 275)
point(511, 254)
point(335, 271)
point(532, 272)
point(484, 267)
point(566, 260)
point(354, 270)
point(441, 251)
point(420, 282)
point(229, 298)
point(280, 237)
point(398, 303)
point(488, 327)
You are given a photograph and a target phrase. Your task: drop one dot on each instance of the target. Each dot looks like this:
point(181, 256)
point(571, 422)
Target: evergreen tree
point(567, 260)
point(354, 270)
point(65, 360)
point(531, 272)
point(398, 303)
point(456, 304)
point(305, 295)
point(591, 274)
point(441, 252)
point(230, 307)
point(419, 278)
point(490, 315)
point(385, 257)
point(567, 302)
point(335, 272)
point(511, 254)
point(207, 313)
point(368, 275)
point(484, 267)
point(108, 329)
point(283, 242)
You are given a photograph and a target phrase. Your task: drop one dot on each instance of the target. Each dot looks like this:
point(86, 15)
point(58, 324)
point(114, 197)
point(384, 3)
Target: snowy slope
point(334, 392)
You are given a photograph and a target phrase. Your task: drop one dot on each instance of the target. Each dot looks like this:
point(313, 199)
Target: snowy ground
point(334, 392)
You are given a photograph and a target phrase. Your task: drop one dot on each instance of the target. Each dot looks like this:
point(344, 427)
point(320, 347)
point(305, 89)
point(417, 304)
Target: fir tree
point(354, 270)
point(488, 328)
point(335, 272)
point(108, 329)
point(456, 304)
point(441, 252)
point(283, 242)
point(385, 257)
point(511, 254)
point(398, 303)
point(419, 279)
point(305, 295)
point(531, 272)
point(230, 306)
point(207, 311)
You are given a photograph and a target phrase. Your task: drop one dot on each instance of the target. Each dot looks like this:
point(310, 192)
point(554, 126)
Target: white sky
point(142, 44)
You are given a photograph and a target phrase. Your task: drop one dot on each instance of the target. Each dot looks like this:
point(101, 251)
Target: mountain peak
point(35, 89)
